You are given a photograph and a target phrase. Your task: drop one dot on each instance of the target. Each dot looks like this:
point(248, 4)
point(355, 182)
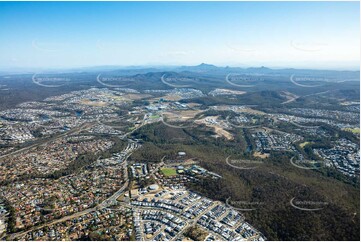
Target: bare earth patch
point(260, 155)
point(93, 103)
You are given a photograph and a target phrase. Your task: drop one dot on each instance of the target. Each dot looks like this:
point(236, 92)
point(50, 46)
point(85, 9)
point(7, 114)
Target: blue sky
point(275, 34)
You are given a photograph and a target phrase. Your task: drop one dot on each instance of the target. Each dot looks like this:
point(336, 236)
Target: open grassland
point(353, 130)
point(302, 145)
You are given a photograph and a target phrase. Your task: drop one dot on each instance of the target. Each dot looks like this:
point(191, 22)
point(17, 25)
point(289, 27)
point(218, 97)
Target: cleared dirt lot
point(260, 155)
point(218, 129)
point(93, 103)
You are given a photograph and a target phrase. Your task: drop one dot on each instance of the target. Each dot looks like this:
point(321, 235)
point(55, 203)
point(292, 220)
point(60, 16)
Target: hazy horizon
point(25, 70)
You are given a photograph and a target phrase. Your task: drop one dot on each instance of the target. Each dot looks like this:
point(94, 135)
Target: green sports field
point(169, 171)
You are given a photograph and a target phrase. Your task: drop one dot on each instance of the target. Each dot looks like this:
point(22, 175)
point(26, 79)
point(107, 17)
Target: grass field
point(302, 145)
point(169, 171)
point(154, 116)
point(355, 130)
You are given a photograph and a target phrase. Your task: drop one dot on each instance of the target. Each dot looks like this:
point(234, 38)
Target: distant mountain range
point(201, 68)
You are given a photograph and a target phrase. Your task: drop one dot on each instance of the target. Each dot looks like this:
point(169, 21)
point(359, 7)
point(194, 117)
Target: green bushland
point(273, 184)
